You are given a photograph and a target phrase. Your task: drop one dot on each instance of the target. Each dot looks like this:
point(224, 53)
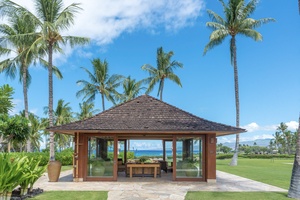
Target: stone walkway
point(148, 188)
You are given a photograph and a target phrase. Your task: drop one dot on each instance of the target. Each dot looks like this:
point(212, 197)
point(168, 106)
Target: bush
point(256, 156)
point(65, 156)
point(224, 156)
point(267, 156)
point(17, 169)
point(42, 157)
point(130, 155)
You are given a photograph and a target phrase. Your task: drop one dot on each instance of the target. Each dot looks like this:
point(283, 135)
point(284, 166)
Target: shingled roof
point(146, 114)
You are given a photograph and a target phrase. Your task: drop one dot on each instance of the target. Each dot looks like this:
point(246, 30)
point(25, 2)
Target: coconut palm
point(51, 19)
point(236, 22)
point(6, 100)
point(19, 23)
point(62, 115)
point(36, 127)
point(86, 110)
point(131, 89)
point(164, 70)
point(100, 82)
point(294, 190)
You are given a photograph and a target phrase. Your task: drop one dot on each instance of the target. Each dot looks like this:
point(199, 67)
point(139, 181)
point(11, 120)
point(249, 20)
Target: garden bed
point(16, 194)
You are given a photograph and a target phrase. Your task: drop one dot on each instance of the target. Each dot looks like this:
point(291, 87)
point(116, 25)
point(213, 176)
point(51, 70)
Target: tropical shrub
point(65, 156)
point(224, 156)
point(33, 171)
point(267, 156)
point(11, 174)
point(18, 170)
point(130, 155)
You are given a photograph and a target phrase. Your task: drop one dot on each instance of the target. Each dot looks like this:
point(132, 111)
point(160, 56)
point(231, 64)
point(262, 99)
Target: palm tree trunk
point(299, 6)
point(102, 97)
point(294, 190)
point(162, 88)
point(26, 101)
point(237, 102)
point(50, 78)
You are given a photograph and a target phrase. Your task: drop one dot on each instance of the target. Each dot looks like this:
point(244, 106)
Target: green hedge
point(267, 156)
point(257, 156)
point(65, 156)
point(224, 156)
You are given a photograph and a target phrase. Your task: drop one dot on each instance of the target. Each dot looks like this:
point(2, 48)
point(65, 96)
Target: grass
point(72, 195)
point(273, 172)
point(67, 167)
point(236, 195)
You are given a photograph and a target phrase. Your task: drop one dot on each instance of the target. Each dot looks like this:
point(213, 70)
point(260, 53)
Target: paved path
point(154, 189)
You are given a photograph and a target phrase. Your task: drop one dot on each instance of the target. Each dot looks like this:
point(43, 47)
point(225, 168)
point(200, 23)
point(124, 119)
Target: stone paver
point(154, 189)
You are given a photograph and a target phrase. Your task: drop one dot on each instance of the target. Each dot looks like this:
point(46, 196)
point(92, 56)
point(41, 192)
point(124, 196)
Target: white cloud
point(253, 127)
point(231, 139)
point(105, 20)
point(292, 125)
point(145, 144)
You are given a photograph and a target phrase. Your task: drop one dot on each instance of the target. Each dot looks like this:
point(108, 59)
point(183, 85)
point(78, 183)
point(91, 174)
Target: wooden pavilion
point(193, 140)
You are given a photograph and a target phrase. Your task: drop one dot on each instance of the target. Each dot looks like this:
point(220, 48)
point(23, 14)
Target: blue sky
point(128, 33)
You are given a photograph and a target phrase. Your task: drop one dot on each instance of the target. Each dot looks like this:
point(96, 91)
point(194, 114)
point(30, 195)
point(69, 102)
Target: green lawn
point(274, 172)
point(67, 167)
point(72, 195)
point(236, 195)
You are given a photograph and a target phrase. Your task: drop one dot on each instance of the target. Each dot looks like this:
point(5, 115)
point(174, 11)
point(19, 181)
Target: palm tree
point(36, 127)
point(294, 190)
point(51, 19)
point(299, 5)
point(277, 139)
point(286, 137)
point(86, 110)
point(19, 23)
point(236, 22)
point(131, 89)
point(62, 115)
point(100, 82)
point(163, 71)
point(6, 100)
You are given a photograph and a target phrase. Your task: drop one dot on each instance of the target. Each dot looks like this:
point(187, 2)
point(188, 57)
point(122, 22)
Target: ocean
point(158, 153)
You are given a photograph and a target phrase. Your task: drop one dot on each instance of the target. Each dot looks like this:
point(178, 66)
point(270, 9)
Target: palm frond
point(73, 40)
point(216, 38)
point(252, 34)
point(215, 17)
point(66, 18)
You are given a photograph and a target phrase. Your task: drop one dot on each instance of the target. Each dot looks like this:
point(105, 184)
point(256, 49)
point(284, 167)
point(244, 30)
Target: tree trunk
point(50, 78)
point(162, 88)
point(24, 74)
point(8, 146)
point(102, 97)
point(237, 101)
point(299, 6)
point(294, 190)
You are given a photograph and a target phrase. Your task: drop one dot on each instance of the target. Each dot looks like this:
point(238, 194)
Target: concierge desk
point(146, 169)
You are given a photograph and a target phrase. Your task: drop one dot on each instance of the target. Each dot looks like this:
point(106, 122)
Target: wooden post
point(77, 154)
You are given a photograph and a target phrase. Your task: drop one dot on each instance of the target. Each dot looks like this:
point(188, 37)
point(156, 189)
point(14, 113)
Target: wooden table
point(133, 165)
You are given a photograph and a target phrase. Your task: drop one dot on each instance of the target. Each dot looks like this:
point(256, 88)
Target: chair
point(163, 165)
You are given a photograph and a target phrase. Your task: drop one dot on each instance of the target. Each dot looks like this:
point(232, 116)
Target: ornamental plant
point(33, 171)
point(10, 174)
